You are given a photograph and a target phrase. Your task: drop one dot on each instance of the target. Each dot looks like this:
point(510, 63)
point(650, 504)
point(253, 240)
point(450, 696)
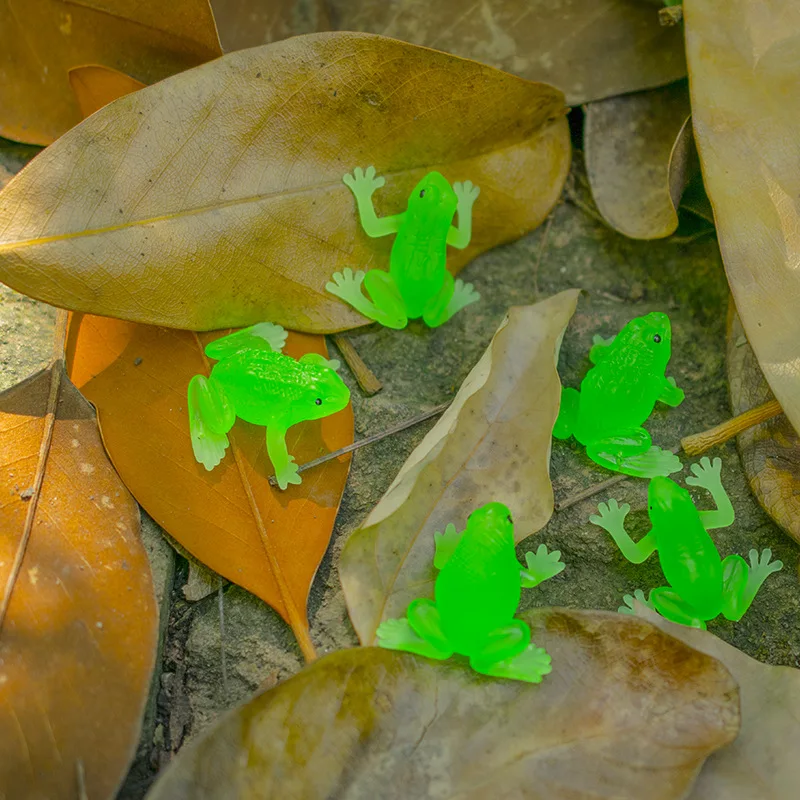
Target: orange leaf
point(95, 86)
point(268, 541)
point(41, 40)
point(78, 639)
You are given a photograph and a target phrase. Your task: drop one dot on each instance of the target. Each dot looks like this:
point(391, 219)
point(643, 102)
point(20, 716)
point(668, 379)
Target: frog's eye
point(657, 338)
point(318, 401)
point(509, 520)
point(422, 193)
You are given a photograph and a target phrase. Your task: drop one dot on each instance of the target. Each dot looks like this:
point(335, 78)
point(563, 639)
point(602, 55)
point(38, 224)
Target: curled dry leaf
point(215, 198)
point(770, 451)
point(492, 444)
point(624, 700)
point(761, 762)
point(563, 42)
point(96, 86)
point(231, 519)
point(638, 150)
point(248, 23)
point(78, 641)
point(42, 40)
point(744, 65)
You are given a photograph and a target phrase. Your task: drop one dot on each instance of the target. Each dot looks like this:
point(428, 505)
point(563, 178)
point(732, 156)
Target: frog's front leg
point(567, 413)
point(362, 184)
point(387, 305)
point(509, 653)
point(445, 544)
point(283, 464)
point(452, 297)
point(709, 476)
point(631, 452)
point(467, 194)
point(211, 416)
point(740, 583)
point(611, 518)
point(541, 567)
point(599, 349)
point(671, 395)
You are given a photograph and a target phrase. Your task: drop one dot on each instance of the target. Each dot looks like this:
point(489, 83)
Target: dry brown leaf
point(628, 711)
point(761, 763)
point(78, 642)
point(590, 49)
point(743, 66)
point(492, 444)
point(231, 519)
point(42, 40)
point(95, 86)
point(638, 149)
point(770, 452)
point(215, 198)
point(248, 23)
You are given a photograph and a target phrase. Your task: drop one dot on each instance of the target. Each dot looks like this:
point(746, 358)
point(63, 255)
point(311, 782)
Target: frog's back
point(478, 590)
point(689, 558)
point(261, 383)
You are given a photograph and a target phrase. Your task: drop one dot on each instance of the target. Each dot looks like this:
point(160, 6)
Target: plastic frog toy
point(255, 381)
point(477, 593)
point(701, 584)
point(617, 396)
point(417, 283)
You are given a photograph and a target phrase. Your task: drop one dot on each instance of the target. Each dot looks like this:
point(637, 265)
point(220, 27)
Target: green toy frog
point(255, 381)
point(617, 396)
point(701, 584)
point(477, 593)
point(417, 283)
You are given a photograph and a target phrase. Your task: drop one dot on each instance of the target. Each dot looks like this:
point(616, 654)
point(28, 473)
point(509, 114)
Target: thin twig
point(376, 437)
point(369, 384)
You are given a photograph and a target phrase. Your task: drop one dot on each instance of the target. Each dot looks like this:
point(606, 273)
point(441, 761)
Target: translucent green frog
point(617, 396)
point(417, 283)
point(477, 593)
point(255, 381)
point(702, 585)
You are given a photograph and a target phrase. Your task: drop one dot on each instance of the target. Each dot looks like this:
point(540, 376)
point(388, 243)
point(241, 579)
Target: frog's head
point(648, 337)
point(664, 496)
point(324, 393)
point(433, 200)
point(494, 523)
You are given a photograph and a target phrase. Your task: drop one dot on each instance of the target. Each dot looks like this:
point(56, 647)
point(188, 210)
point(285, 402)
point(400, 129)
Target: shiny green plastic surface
point(417, 283)
point(255, 381)
point(617, 396)
point(477, 593)
point(701, 584)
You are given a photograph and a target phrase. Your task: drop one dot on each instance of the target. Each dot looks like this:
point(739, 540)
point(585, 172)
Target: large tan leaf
point(637, 159)
point(215, 198)
point(590, 49)
point(770, 451)
point(628, 711)
point(78, 641)
point(42, 40)
point(762, 763)
point(493, 443)
point(744, 61)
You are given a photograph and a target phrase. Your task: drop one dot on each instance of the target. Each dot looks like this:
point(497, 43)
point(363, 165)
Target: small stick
point(376, 437)
point(692, 445)
point(369, 384)
point(698, 443)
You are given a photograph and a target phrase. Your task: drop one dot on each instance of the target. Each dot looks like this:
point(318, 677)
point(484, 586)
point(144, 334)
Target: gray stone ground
point(622, 279)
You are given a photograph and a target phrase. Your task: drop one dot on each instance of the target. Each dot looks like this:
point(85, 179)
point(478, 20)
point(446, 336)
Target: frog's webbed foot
point(453, 296)
point(316, 358)
point(541, 566)
point(262, 336)
point(363, 182)
point(397, 634)
point(671, 605)
point(708, 475)
point(288, 474)
point(467, 194)
point(509, 653)
point(386, 306)
point(742, 583)
point(632, 453)
point(654, 462)
point(567, 413)
point(464, 294)
point(629, 601)
point(211, 416)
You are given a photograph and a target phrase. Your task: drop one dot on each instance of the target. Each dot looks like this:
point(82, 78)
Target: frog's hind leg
point(452, 297)
point(386, 306)
point(632, 453)
point(421, 634)
point(671, 605)
point(397, 634)
point(263, 336)
point(567, 413)
point(741, 583)
point(509, 653)
point(211, 416)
